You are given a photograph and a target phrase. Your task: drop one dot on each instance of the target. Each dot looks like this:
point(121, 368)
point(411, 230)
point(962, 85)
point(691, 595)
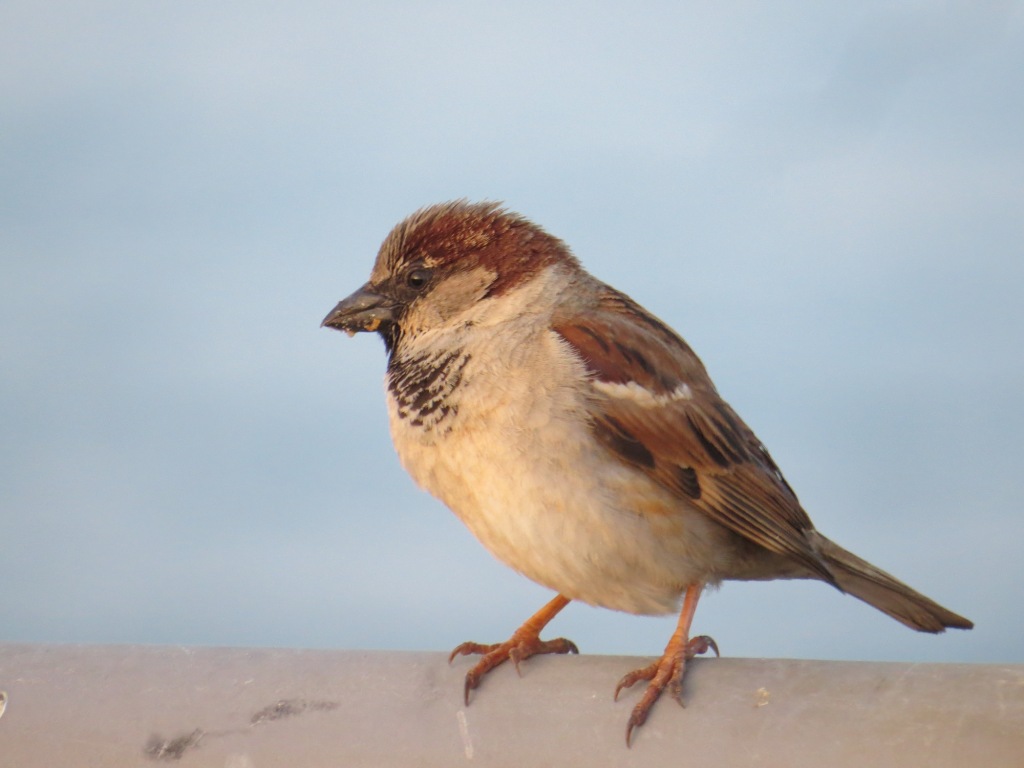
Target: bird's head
point(440, 263)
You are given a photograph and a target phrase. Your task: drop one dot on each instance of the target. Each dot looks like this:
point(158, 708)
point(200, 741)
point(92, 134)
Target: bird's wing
point(653, 404)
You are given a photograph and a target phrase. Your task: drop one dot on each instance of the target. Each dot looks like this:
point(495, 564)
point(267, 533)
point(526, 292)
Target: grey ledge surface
point(100, 706)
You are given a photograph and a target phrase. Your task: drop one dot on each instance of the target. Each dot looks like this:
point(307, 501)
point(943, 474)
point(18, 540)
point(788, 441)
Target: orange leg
point(524, 643)
point(667, 672)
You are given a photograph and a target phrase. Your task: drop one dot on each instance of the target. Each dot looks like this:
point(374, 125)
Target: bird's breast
point(499, 432)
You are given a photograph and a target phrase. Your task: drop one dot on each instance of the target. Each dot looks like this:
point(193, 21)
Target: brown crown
point(461, 235)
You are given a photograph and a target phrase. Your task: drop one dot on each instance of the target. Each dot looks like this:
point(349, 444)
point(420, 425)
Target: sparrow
point(581, 440)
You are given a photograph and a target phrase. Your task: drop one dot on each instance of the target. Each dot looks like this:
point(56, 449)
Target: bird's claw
point(666, 672)
point(517, 648)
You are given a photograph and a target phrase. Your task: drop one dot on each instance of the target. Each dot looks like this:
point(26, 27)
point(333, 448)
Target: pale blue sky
point(826, 200)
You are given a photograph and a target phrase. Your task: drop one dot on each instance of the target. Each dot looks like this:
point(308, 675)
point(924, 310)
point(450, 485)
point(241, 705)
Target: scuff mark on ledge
point(159, 748)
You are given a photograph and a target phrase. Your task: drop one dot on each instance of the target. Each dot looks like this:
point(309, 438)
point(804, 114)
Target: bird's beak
point(364, 310)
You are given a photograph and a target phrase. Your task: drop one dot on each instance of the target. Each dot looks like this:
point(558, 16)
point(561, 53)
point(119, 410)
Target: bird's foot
point(666, 672)
point(523, 644)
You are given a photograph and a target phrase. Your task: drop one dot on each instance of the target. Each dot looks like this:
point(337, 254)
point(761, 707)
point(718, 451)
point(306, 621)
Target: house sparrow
point(581, 440)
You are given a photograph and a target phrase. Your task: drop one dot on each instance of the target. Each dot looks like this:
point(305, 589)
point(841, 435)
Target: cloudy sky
point(826, 200)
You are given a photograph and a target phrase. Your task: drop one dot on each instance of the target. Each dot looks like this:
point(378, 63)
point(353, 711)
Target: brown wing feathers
point(689, 440)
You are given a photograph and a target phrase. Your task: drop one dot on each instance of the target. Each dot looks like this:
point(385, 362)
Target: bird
point(581, 440)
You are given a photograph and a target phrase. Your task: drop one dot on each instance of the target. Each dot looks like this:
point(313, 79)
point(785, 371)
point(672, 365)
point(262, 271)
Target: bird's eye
point(418, 278)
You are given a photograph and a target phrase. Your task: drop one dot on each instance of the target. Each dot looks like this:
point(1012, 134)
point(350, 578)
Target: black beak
point(364, 310)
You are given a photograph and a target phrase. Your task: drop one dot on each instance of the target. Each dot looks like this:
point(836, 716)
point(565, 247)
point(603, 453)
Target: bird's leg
point(524, 643)
point(667, 672)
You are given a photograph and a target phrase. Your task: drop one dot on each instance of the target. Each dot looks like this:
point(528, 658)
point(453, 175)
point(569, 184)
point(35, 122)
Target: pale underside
point(517, 463)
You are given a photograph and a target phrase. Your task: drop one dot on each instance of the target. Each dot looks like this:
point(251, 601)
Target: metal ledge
point(121, 706)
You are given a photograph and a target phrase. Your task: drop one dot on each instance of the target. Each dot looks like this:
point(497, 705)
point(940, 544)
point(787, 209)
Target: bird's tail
point(877, 588)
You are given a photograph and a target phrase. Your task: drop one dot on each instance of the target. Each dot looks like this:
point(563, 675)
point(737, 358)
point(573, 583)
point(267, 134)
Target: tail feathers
point(877, 588)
